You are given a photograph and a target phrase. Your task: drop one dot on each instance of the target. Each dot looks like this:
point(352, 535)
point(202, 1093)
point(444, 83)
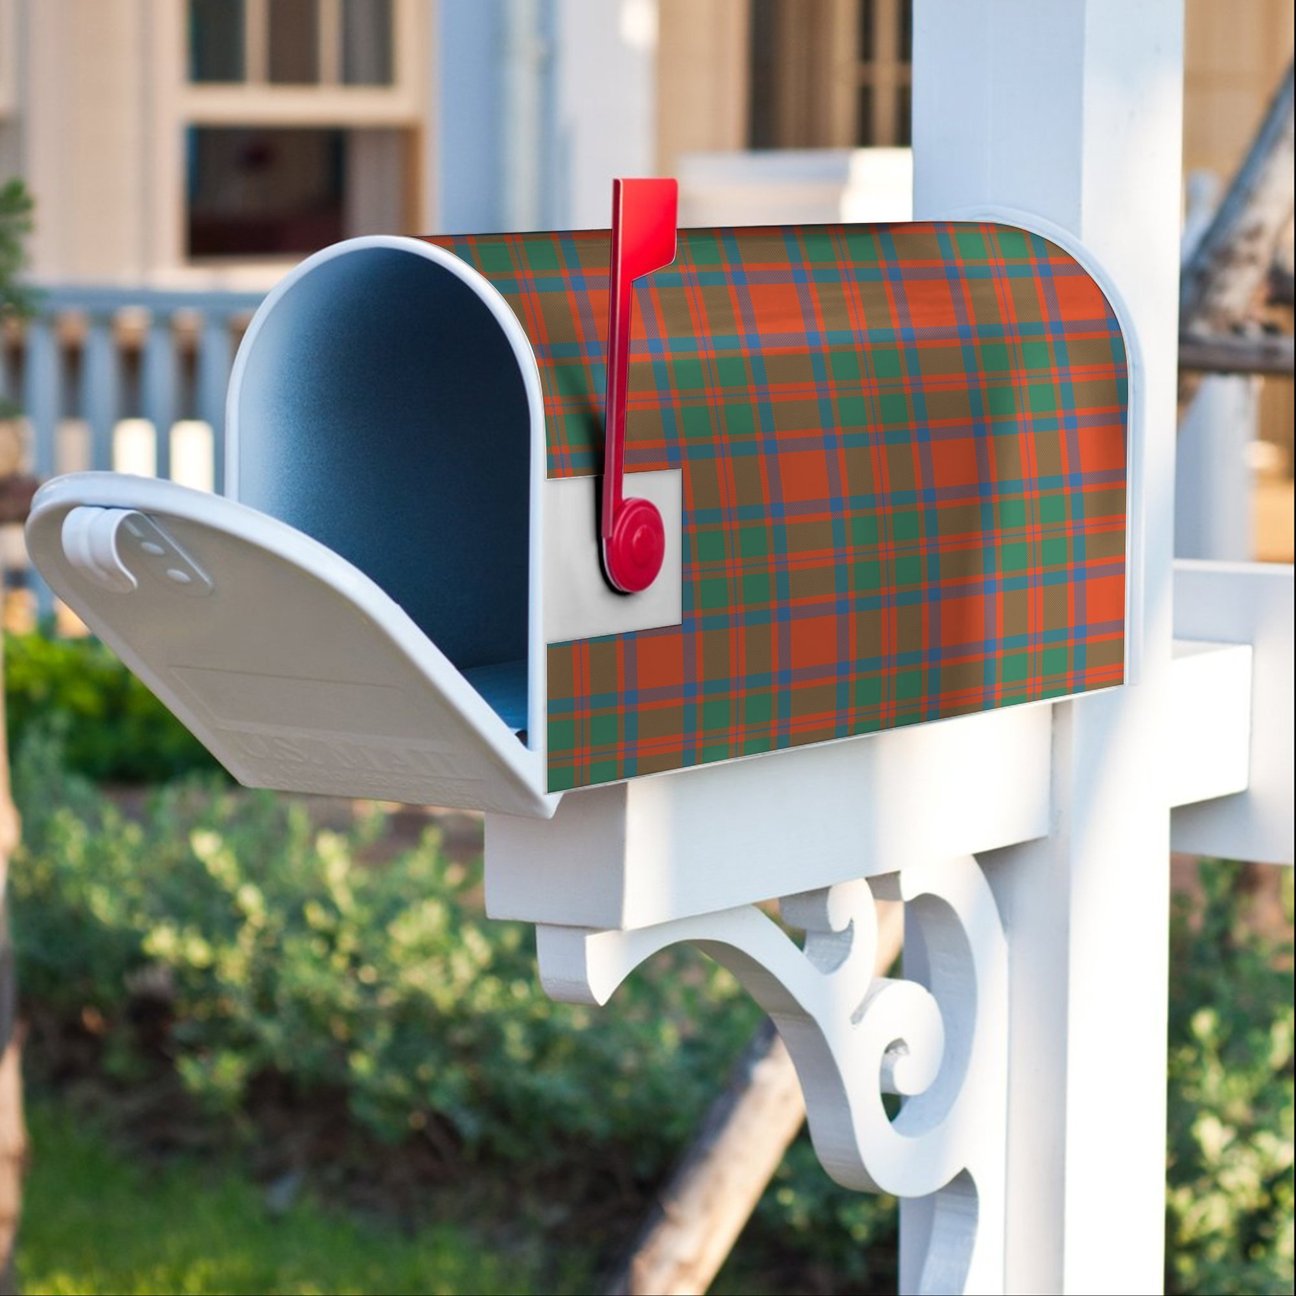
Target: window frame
point(181, 104)
point(255, 100)
point(816, 96)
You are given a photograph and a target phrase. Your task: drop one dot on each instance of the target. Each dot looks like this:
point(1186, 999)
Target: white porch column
point(605, 103)
point(1071, 111)
point(1214, 512)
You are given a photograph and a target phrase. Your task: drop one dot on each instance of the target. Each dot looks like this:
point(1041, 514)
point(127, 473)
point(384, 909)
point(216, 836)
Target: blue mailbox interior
point(382, 411)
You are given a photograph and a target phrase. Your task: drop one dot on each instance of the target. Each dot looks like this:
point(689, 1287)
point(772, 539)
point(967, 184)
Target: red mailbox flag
point(644, 220)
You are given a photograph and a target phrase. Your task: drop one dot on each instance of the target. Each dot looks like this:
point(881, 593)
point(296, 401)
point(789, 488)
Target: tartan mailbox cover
point(903, 456)
point(891, 458)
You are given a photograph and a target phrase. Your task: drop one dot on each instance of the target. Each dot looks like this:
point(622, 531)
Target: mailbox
point(887, 465)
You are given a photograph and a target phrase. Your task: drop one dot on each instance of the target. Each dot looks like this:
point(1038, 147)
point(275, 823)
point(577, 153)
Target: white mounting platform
point(1252, 604)
point(706, 839)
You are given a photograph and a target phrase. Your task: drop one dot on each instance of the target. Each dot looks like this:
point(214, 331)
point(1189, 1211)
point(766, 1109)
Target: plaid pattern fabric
point(903, 454)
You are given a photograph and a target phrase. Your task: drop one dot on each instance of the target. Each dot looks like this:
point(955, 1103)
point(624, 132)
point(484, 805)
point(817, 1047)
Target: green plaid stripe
point(903, 455)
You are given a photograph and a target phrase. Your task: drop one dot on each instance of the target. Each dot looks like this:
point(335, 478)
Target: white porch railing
point(124, 379)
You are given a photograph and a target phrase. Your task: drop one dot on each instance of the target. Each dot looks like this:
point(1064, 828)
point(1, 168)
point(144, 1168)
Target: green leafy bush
point(281, 953)
point(113, 728)
point(846, 1240)
point(1230, 1198)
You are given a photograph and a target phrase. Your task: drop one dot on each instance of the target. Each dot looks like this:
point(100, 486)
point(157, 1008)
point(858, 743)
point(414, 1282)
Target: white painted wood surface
point(1214, 513)
point(937, 1038)
point(796, 186)
point(693, 842)
point(1248, 603)
point(1073, 111)
point(1208, 742)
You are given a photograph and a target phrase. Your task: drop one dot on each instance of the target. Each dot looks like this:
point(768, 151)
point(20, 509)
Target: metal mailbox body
point(892, 460)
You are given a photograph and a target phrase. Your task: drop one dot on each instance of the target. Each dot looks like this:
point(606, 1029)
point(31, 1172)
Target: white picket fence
point(131, 380)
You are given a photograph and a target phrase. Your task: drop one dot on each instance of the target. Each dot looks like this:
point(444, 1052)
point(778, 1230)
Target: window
point(297, 123)
point(366, 42)
point(258, 192)
point(884, 70)
point(291, 42)
point(216, 49)
point(830, 73)
point(293, 53)
point(264, 192)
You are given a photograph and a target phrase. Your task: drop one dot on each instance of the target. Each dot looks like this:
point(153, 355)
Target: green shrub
point(1230, 1199)
point(847, 1239)
point(282, 953)
point(113, 728)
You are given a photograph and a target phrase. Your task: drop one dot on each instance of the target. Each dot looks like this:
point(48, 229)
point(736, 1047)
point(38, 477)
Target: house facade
point(212, 142)
point(208, 143)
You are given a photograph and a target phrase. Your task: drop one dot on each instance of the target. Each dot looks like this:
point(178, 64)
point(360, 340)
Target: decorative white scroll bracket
point(936, 1037)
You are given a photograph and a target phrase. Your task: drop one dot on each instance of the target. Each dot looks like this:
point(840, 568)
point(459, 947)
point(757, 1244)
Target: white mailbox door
point(286, 661)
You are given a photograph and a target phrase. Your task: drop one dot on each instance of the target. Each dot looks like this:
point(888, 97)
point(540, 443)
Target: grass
point(96, 1221)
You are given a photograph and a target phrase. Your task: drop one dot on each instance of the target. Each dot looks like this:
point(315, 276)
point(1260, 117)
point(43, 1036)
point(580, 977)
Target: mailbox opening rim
point(501, 316)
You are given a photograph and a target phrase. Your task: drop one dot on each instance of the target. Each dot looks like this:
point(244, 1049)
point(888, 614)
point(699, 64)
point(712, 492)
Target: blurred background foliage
point(325, 1011)
point(112, 729)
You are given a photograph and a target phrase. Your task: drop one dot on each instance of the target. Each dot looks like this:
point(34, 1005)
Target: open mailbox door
point(293, 667)
point(364, 617)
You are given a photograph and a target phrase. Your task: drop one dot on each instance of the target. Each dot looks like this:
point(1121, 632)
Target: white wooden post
point(1214, 515)
point(604, 102)
point(1072, 112)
